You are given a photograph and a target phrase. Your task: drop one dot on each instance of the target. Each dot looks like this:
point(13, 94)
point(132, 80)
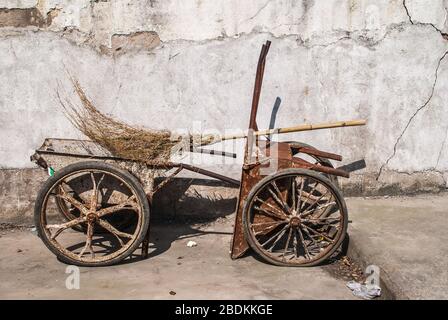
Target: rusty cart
point(94, 209)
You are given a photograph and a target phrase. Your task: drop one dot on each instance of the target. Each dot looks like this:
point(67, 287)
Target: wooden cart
point(94, 209)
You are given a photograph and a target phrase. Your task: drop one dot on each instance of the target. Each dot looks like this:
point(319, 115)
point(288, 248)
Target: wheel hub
point(295, 221)
point(91, 217)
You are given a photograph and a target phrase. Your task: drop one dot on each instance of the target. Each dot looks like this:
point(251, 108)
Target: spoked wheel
point(70, 211)
point(101, 195)
point(295, 217)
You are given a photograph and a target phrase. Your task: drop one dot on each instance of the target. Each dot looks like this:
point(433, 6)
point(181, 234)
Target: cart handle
point(257, 86)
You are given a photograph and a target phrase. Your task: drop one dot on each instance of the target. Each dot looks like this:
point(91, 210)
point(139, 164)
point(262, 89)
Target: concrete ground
point(406, 237)
point(29, 271)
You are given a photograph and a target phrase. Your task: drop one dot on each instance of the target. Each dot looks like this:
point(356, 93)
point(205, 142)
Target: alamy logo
point(73, 280)
point(373, 276)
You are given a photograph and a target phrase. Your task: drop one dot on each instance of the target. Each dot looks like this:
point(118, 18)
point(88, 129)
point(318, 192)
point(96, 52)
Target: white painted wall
point(329, 60)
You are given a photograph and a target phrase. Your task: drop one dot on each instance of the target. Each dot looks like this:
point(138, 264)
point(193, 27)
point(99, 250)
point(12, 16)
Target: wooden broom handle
point(303, 127)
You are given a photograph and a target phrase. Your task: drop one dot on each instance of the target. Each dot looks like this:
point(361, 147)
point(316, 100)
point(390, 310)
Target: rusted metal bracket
point(37, 158)
point(300, 163)
point(315, 152)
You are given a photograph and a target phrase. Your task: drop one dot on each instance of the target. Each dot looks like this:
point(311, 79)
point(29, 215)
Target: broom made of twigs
point(121, 139)
point(148, 145)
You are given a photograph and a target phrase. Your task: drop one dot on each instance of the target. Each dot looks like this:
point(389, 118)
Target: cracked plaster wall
point(175, 63)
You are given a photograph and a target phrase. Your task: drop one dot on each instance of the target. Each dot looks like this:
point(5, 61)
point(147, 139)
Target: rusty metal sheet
point(249, 179)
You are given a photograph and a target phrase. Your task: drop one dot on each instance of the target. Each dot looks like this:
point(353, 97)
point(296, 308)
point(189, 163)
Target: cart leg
point(145, 245)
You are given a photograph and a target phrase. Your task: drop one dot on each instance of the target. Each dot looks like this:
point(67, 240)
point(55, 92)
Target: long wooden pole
point(303, 127)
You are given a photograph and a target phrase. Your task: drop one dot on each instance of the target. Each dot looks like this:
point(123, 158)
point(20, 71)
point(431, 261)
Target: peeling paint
point(132, 42)
point(21, 18)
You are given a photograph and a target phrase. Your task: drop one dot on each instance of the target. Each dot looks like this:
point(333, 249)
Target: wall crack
point(413, 116)
point(441, 148)
point(443, 34)
point(258, 11)
point(407, 12)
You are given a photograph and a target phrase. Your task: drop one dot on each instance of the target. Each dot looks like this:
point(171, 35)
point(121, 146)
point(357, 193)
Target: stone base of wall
point(201, 199)
point(393, 183)
point(183, 198)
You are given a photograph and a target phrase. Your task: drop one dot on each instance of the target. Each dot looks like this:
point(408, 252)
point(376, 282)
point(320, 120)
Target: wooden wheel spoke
point(314, 246)
point(95, 188)
point(293, 192)
point(70, 199)
point(93, 197)
point(300, 195)
point(269, 227)
point(273, 213)
point(99, 182)
point(279, 233)
point(278, 197)
point(63, 226)
point(294, 243)
point(310, 236)
point(267, 223)
point(318, 233)
point(278, 238)
point(117, 233)
point(267, 212)
point(317, 220)
point(128, 202)
point(324, 221)
point(305, 247)
point(308, 196)
point(88, 245)
point(287, 243)
point(308, 212)
point(317, 201)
